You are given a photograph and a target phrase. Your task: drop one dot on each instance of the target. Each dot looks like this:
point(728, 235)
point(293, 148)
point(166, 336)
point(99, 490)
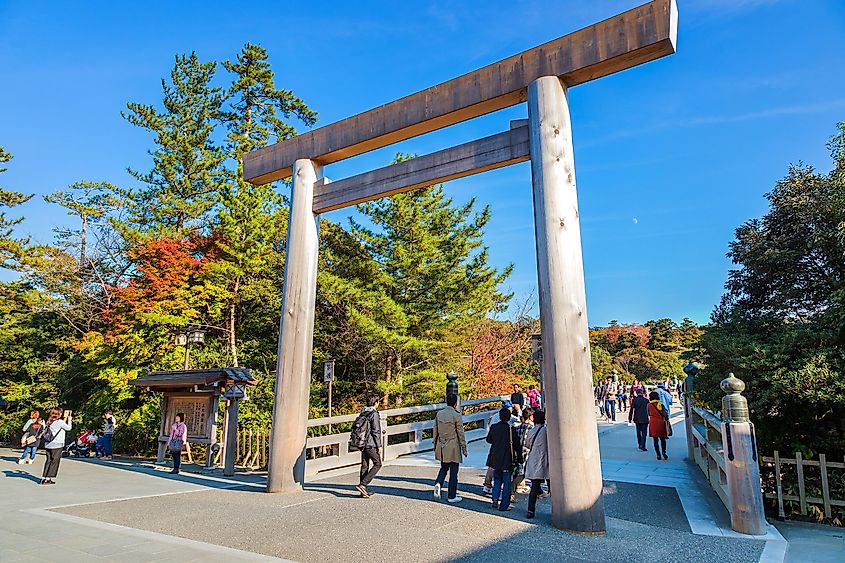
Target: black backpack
point(47, 435)
point(360, 431)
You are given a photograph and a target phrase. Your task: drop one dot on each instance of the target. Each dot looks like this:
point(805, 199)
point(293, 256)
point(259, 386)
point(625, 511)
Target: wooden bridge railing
point(806, 487)
point(330, 451)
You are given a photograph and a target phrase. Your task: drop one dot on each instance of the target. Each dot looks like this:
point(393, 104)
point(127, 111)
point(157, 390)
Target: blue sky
point(670, 157)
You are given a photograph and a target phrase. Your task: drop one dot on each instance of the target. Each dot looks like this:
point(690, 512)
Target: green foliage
point(12, 249)
point(187, 164)
point(427, 269)
point(781, 324)
point(654, 351)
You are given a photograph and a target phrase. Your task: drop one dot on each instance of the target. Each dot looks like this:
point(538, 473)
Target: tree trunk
point(83, 236)
point(398, 399)
point(230, 321)
point(388, 372)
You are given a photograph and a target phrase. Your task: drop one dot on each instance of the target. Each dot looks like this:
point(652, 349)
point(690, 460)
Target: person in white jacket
point(57, 425)
point(537, 464)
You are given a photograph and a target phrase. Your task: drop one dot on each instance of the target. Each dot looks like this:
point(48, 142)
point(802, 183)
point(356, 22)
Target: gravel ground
point(401, 522)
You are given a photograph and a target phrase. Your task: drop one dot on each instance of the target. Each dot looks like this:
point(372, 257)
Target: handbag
point(175, 444)
point(28, 440)
point(668, 427)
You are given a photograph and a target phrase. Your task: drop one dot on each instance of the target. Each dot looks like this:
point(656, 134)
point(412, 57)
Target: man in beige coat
point(449, 444)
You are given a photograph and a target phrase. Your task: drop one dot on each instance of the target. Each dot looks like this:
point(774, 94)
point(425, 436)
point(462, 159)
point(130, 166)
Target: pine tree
point(187, 164)
point(90, 202)
point(249, 224)
point(432, 264)
point(12, 249)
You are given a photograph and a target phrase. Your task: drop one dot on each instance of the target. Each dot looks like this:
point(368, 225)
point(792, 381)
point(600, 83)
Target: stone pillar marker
point(574, 461)
point(741, 466)
point(286, 471)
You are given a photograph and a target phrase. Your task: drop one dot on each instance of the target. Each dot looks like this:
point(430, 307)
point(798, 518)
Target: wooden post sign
point(542, 77)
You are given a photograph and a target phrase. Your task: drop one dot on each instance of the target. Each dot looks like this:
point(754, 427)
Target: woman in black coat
point(505, 453)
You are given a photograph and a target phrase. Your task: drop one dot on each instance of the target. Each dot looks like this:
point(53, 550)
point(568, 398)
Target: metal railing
point(324, 452)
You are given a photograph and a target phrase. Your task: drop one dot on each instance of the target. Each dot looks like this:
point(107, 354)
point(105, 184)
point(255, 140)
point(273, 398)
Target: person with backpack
point(366, 436)
point(29, 439)
point(505, 453)
point(449, 445)
point(59, 422)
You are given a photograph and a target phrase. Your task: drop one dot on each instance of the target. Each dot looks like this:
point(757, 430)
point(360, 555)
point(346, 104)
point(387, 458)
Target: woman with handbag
point(178, 439)
point(658, 424)
point(29, 440)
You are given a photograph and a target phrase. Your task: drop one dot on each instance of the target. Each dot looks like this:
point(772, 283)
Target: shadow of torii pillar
point(574, 461)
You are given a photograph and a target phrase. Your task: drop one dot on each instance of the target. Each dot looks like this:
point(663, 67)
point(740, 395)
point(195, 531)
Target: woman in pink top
point(178, 439)
point(533, 397)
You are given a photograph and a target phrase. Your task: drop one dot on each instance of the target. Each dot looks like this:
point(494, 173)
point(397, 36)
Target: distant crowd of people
point(650, 416)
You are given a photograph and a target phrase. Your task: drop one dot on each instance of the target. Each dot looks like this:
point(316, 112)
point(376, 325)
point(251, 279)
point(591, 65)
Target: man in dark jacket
point(370, 455)
point(638, 414)
point(505, 452)
point(518, 397)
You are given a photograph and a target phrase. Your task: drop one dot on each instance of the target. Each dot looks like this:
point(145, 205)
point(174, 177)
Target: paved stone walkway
point(127, 512)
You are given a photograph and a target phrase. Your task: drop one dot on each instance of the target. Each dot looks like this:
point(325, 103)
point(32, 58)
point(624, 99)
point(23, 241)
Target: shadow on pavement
point(19, 474)
point(242, 482)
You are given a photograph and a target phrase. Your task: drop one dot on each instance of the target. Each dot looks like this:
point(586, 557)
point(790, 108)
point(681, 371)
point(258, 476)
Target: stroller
point(82, 446)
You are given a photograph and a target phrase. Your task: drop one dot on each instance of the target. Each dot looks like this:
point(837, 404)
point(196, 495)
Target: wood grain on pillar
point(286, 471)
point(574, 462)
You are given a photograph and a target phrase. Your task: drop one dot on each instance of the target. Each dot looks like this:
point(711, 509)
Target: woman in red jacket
point(657, 420)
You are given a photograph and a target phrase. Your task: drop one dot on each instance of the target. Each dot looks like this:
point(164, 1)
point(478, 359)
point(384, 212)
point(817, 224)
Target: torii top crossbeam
point(640, 35)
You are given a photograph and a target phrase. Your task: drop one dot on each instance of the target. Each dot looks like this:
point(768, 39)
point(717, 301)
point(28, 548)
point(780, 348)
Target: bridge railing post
point(741, 461)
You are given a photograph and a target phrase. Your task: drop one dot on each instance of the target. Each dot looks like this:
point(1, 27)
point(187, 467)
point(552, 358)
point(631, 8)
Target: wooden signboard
point(197, 408)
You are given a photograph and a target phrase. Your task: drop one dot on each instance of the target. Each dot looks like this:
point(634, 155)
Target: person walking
point(537, 462)
point(177, 441)
point(505, 452)
point(622, 397)
point(366, 436)
point(488, 476)
point(665, 397)
point(518, 397)
point(108, 434)
point(639, 416)
point(58, 423)
point(533, 397)
point(522, 429)
point(29, 439)
point(610, 400)
point(449, 447)
point(658, 418)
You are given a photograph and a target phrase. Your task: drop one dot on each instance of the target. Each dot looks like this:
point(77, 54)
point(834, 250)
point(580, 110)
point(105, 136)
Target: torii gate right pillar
point(574, 461)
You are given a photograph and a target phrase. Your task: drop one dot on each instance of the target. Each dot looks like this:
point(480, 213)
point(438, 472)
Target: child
point(29, 440)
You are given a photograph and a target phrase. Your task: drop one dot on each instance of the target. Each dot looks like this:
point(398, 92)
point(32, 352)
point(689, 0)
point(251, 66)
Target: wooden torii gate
point(541, 76)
